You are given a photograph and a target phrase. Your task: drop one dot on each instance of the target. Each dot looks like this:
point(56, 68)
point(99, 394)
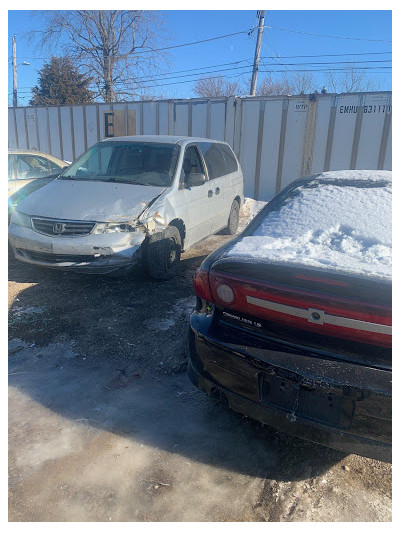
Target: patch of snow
point(344, 228)
point(19, 311)
point(180, 310)
point(252, 207)
point(160, 324)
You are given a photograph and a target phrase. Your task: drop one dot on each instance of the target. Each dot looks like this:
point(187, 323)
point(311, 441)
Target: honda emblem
point(58, 228)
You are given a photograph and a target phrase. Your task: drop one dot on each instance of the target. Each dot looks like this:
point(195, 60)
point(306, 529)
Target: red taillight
point(305, 309)
point(201, 284)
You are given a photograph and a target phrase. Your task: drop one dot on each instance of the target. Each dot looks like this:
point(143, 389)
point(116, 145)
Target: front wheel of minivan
point(163, 254)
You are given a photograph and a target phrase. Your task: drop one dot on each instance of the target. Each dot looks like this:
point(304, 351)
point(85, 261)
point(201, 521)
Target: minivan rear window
point(230, 160)
point(214, 159)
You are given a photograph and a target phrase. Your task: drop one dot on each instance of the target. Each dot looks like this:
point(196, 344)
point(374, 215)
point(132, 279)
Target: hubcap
point(234, 217)
point(172, 256)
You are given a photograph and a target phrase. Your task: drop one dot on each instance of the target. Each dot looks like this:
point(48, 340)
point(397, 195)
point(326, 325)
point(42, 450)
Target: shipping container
point(277, 139)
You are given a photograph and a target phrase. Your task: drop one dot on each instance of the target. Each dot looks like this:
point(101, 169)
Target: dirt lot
point(104, 425)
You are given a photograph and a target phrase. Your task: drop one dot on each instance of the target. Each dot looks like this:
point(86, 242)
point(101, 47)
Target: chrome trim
point(63, 221)
point(323, 318)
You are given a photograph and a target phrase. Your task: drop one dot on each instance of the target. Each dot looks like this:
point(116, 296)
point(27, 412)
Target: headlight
point(115, 227)
point(20, 219)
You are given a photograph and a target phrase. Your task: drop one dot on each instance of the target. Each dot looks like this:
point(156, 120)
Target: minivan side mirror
point(195, 179)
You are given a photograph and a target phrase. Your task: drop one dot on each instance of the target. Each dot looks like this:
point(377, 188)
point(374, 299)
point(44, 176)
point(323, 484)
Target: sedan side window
point(214, 159)
point(192, 163)
point(11, 167)
point(29, 167)
point(54, 168)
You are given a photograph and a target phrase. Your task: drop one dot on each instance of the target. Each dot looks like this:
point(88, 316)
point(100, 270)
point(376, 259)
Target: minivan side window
point(214, 160)
point(192, 162)
point(230, 160)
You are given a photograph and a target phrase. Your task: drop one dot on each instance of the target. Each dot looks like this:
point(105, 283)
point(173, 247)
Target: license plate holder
point(306, 398)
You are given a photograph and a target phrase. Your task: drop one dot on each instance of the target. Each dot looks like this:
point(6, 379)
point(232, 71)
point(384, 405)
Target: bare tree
point(350, 80)
point(290, 83)
point(117, 49)
point(216, 86)
point(273, 85)
point(303, 82)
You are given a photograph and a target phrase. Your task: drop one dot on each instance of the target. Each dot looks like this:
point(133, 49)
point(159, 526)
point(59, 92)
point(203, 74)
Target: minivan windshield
point(140, 163)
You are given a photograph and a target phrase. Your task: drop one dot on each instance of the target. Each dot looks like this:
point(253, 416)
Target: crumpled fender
point(157, 215)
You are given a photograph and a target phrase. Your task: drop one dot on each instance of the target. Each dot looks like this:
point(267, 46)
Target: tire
point(163, 254)
point(233, 222)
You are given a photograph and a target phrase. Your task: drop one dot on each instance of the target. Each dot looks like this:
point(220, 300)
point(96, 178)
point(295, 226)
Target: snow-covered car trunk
point(314, 268)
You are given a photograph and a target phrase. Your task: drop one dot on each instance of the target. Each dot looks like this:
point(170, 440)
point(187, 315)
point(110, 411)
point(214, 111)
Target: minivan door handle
point(217, 190)
point(210, 193)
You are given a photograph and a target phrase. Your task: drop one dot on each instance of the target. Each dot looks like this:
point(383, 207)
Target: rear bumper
point(239, 368)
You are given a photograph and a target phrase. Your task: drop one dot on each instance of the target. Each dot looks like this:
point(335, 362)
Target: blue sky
point(188, 26)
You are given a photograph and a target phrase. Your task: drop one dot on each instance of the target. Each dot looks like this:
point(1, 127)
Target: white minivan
point(127, 199)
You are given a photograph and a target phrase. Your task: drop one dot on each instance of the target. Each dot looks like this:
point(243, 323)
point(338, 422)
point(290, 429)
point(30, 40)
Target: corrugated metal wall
point(277, 139)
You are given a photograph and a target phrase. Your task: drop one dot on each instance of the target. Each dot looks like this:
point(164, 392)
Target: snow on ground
point(343, 228)
point(19, 311)
point(180, 310)
point(252, 207)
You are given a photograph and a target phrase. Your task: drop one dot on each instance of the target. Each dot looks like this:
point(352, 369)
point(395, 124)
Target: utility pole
point(260, 15)
point(14, 63)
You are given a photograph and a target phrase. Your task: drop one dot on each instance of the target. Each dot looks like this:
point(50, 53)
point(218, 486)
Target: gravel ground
point(104, 424)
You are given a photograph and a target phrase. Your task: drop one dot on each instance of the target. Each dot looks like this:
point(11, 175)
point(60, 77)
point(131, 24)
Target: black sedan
point(293, 317)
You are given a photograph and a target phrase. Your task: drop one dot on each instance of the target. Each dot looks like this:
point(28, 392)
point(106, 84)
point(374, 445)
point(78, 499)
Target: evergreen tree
point(60, 83)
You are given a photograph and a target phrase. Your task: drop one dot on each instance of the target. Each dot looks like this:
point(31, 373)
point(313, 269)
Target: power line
point(262, 57)
point(163, 77)
point(198, 42)
point(265, 71)
point(277, 57)
point(292, 72)
point(200, 73)
point(329, 36)
point(332, 55)
point(248, 32)
point(336, 62)
point(280, 59)
point(377, 70)
point(150, 79)
point(311, 63)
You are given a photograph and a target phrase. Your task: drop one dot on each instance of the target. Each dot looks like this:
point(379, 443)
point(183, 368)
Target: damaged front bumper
point(93, 254)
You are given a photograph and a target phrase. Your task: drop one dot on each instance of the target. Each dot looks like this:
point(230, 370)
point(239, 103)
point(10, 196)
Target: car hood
point(89, 200)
